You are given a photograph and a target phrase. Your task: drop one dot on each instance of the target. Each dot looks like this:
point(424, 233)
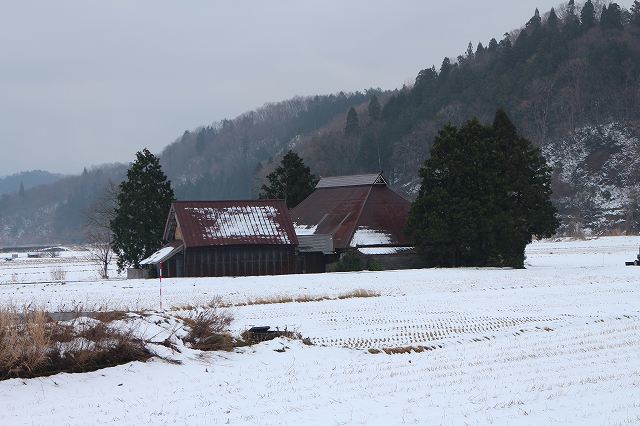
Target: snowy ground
point(557, 343)
point(75, 263)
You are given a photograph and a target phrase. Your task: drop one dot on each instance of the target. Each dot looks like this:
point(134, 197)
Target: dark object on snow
point(264, 333)
point(635, 262)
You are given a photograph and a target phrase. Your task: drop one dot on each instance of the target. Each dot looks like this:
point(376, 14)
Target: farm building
point(227, 238)
point(359, 213)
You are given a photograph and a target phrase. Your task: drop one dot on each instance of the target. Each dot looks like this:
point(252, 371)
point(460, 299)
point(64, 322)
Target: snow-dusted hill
point(557, 343)
point(597, 178)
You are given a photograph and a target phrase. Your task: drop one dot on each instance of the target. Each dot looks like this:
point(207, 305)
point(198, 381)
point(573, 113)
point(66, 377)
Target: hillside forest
point(569, 78)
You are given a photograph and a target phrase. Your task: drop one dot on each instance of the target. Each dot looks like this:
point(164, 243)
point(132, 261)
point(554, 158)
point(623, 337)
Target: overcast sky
point(85, 82)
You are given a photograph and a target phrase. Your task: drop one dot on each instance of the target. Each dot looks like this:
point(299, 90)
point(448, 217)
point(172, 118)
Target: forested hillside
point(221, 161)
point(569, 72)
point(26, 180)
point(569, 78)
point(214, 162)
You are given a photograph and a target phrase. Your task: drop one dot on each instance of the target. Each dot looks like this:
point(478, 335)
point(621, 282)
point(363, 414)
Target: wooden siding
point(239, 261)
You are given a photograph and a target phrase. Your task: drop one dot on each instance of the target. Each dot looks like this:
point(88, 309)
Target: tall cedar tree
point(485, 191)
point(353, 123)
point(292, 181)
point(143, 202)
point(588, 15)
point(635, 13)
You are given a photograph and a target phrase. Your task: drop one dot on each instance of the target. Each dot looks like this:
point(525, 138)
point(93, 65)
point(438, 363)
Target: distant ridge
point(10, 184)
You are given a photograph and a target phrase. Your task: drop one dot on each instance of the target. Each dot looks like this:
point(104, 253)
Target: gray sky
point(84, 82)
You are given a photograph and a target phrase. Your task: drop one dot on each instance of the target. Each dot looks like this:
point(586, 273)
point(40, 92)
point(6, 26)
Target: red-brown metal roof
point(373, 213)
point(216, 223)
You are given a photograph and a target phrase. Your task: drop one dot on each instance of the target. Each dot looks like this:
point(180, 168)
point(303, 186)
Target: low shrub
point(349, 262)
point(209, 329)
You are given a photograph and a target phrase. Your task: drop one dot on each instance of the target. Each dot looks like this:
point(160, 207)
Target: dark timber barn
point(227, 238)
point(355, 213)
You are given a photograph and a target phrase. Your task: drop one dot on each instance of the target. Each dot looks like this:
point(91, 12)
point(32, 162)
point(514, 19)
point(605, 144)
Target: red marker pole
point(160, 285)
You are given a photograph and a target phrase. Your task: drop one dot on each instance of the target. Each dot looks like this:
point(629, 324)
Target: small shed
point(227, 238)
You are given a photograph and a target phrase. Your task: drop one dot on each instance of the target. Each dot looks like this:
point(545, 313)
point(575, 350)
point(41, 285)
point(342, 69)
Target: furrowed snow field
point(557, 343)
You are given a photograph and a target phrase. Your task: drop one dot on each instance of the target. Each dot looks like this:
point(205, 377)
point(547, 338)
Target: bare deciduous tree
point(98, 230)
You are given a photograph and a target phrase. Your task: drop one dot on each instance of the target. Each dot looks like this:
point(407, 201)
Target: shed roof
point(353, 180)
point(164, 253)
point(216, 223)
point(355, 215)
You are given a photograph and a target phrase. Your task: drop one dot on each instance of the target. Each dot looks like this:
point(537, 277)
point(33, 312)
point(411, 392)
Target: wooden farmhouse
point(227, 238)
point(353, 213)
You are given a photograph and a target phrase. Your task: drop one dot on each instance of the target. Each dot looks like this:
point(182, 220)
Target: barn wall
point(239, 261)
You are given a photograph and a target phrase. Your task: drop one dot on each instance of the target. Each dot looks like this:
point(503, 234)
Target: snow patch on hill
point(596, 175)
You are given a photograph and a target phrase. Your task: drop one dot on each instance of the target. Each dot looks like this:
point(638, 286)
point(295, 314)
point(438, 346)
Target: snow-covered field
point(557, 343)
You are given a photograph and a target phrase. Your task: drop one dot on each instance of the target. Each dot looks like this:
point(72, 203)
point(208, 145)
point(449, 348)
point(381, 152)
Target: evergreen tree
point(571, 22)
point(635, 13)
point(353, 123)
point(527, 195)
point(143, 202)
point(535, 22)
point(445, 69)
point(374, 108)
point(470, 55)
point(485, 191)
point(21, 189)
point(588, 15)
point(291, 181)
point(552, 20)
point(493, 45)
point(611, 18)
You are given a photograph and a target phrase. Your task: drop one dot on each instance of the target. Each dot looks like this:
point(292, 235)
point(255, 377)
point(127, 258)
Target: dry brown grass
point(209, 329)
point(405, 350)
point(306, 298)
point(32, 344)
point(359, 293)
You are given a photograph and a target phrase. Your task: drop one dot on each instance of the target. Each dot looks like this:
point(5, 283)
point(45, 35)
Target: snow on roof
point(353, 180)
point(304, 229)
point(235, 222)
point(369, 237)
point(158, 256)
point(383, 250)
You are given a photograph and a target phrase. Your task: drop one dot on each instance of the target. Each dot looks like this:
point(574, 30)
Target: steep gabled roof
point(353, 180)
point(216, 223)
point(354, 215)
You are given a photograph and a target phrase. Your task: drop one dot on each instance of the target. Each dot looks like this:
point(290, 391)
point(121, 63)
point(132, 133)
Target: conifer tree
point(445, 69)
point(571, 22)
point(143, 203)
point(374, 108)
point(588, 15)
point(611, 18)
point(291, 181)
point(527, 194)
point(485, 191)
point(353, 123)
point(21, 189)
point(552, 20)
point(493, 45)
point(535, 22)
point(635, 13)
point(470, 55)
